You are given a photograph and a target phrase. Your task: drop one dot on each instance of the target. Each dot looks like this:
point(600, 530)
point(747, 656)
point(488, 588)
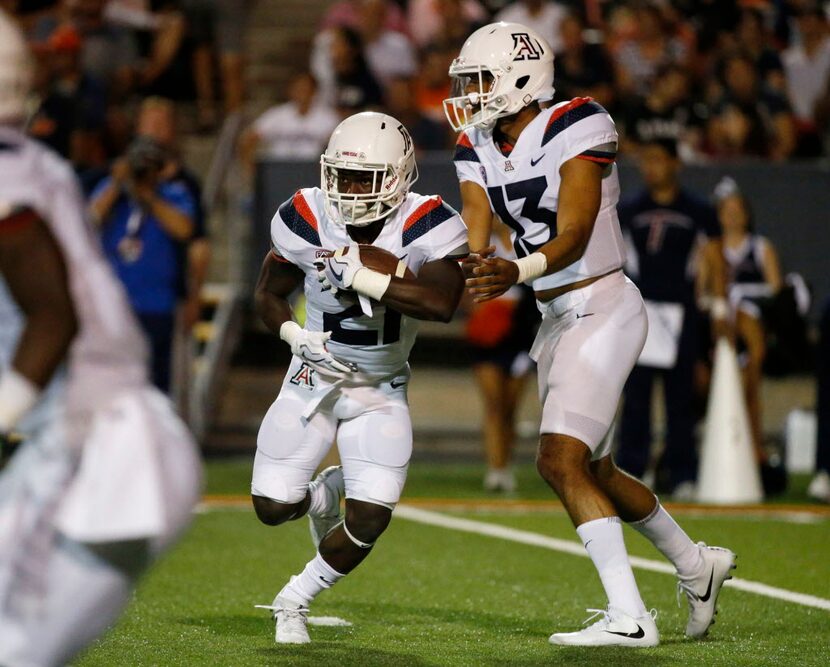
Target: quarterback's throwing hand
point(310, 346)
point(491, 278)
point(339, 269)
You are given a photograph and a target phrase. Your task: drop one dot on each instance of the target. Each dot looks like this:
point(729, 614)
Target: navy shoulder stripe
point(464, 151)
point(576, 110)
point(427, 216)
point(601, 157)
point(297, 216)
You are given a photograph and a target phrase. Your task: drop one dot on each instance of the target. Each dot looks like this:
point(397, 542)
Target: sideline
point(789, 513)
point(417, 515)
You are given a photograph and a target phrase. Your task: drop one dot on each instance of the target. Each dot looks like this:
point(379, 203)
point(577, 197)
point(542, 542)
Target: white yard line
point(576, 549)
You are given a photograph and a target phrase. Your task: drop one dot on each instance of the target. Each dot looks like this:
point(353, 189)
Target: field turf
point(434, 596)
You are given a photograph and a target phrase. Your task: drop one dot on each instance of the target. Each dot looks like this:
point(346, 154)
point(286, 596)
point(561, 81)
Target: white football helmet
point(501, 69)
point(378, 145)
point(16, 71)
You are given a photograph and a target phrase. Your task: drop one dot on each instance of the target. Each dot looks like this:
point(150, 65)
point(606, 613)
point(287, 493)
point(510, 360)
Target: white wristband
point(371, 283)
point(289, 331)
point(719, 308)
point(531, 267)
point(17, 396)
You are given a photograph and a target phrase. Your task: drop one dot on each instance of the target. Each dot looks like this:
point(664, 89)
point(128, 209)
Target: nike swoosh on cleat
point(395, 384)
point(708, 593)
point(632, 635)
point(533, 162)
point(578, 316)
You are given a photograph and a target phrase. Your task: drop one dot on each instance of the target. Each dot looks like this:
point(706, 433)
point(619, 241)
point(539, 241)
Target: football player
point(548, 172)
point(347, 379)
point(106, 475)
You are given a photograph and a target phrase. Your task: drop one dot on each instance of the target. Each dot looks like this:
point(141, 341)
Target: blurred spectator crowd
point(108, 74)
point(685, 80)
point(724, 78)
point(96, 60)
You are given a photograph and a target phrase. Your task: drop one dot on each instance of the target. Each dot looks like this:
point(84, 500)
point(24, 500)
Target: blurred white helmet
point(501, 69)
point(380, 147)
point(16, 71)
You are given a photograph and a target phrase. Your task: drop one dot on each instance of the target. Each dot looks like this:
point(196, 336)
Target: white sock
point(317, 576)
point(671, 541)
point(603, 540)
point(319, 499)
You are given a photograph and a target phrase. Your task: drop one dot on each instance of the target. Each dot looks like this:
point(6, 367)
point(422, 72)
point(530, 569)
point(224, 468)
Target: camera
point(145, 158)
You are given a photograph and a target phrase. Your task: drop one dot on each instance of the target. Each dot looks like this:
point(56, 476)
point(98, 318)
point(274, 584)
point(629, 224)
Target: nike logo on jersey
point(580, 316)
point(395, 384)
point(708, 593)
point(533, 162)
point(632, 635)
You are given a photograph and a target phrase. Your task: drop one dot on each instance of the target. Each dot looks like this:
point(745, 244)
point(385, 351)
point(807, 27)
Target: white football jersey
point(109, 351)
point(523, 187)
point(421, 230)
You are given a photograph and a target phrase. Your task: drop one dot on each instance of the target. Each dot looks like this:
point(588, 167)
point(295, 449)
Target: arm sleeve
point(286, 244)
point(176, 194)
point(448, 239)
point(467, 163)
point(595, 134)
point(102, 185)
point(281, 243)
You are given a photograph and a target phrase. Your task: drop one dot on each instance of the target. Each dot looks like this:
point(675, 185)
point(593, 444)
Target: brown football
point(383, 261)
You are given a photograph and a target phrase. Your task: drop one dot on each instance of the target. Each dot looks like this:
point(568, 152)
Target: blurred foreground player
point(549, 174)
point(106, 475)
point(347, 379)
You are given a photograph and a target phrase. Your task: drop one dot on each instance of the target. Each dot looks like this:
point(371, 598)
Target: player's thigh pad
point(290, 448)
point(584, 363)
point(375, 448)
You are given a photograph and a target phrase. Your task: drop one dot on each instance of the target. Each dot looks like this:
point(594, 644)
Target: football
point(383, 261)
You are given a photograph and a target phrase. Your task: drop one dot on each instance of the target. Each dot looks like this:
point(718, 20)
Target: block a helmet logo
point(526, 48)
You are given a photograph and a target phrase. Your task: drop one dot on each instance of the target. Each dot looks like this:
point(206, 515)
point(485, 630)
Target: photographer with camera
point(146, 223)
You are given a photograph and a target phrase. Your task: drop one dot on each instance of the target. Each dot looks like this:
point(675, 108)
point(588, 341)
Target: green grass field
point(434, 596)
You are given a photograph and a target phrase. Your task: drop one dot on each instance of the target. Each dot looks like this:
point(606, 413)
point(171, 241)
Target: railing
point(211, 343)
point(223, 157)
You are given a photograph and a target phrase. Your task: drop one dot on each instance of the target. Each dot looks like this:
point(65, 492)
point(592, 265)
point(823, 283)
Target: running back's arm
point(278, 278)
point(433, 295)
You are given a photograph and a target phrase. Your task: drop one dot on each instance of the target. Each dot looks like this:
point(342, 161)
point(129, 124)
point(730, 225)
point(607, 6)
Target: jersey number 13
point(531, 191)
